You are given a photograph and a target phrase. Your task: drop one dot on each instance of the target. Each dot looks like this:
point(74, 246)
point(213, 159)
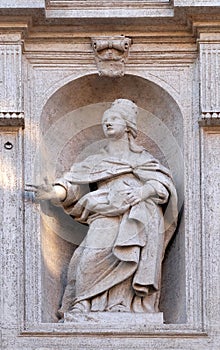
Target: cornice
point(102, 9)
point(65, 44)
point(185, 27)
point(14, 29)
point(206, 29)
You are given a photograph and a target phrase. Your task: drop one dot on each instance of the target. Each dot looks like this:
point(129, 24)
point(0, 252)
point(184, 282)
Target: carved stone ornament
point(111, 54)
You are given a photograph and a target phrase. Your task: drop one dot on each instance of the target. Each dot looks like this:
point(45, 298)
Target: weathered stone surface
point(115, 319)
point(10, 76)
point(111, 54)
point(50, 77)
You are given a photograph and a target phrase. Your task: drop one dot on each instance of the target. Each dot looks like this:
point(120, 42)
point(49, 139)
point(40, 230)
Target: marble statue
point(131, 211)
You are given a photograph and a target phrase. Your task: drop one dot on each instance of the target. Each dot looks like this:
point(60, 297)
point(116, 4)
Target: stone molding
point(211, 115)
point(12, 119)
point(162, 47)
point(22, 4)
point(195, 3)
point(67, 8)
point(209, 119)
point(118, 9)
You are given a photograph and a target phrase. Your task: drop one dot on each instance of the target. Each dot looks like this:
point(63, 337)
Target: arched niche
point(70, 126)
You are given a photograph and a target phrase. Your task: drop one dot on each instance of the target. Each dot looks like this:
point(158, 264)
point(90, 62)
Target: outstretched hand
point(44, 191)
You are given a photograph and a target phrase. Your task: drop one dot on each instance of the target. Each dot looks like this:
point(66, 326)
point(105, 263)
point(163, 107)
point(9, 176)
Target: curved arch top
point(90, 89)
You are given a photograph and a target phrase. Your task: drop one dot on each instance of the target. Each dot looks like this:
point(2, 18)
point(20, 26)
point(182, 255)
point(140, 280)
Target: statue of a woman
point(131, 210)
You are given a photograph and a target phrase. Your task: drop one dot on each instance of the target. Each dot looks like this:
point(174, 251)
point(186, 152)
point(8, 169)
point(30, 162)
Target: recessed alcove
point(71, 129)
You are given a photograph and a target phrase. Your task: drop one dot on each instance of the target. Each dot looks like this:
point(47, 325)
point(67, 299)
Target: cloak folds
point(124, 247)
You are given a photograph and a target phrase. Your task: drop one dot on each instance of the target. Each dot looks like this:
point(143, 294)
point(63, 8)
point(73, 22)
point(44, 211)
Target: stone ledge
point(195, 3)
point(72, 329)
point(110, 13)
point(102, 9)
point(22, 4)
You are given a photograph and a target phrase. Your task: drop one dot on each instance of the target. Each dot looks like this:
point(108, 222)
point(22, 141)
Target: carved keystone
point(111, 54)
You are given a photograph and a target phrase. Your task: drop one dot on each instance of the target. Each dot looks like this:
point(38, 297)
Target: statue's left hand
point(137, 194)
point(134, 195)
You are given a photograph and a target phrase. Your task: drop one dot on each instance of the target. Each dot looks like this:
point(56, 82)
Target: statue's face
point(114, 126)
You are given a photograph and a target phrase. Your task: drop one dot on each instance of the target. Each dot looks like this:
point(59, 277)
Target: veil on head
point(128, 110)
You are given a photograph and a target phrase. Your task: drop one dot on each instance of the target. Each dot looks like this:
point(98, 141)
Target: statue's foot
point(81, 307)
point(119, 308)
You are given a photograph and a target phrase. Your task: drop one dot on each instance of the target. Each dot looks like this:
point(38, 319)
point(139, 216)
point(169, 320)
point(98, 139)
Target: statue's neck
point(118, 147)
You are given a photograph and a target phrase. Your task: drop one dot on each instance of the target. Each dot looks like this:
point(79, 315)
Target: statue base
point(132, 319)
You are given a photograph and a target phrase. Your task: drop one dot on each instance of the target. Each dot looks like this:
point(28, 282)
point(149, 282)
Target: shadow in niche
point(173, 297)
point(56, 249)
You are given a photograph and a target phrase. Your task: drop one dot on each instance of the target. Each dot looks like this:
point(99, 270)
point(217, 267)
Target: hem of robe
point(109, 282)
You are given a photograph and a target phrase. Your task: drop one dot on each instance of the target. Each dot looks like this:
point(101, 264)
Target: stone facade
point(51, 100)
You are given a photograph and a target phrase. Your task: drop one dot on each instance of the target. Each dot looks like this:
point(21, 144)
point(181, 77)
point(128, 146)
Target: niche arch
point(81, 98)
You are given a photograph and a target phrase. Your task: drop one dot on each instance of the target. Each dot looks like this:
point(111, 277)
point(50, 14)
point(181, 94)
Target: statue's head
point(128, 110)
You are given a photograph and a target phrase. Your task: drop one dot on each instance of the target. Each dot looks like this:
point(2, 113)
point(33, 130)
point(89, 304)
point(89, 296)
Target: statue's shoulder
point(145, 156)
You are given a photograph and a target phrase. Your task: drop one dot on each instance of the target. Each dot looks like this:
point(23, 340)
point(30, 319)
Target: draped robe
point(117, 267)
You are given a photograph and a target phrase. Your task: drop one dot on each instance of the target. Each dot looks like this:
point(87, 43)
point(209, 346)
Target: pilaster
point(209, 60)
point(11, 84)
point(208, 34)
point(11, 175)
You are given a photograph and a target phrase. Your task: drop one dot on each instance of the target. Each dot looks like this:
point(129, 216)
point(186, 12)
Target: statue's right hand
point(44, 191)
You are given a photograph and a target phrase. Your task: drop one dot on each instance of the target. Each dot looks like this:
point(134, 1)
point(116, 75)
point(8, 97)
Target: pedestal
point(114, 318)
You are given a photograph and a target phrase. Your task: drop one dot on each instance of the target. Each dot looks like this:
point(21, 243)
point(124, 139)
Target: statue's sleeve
point(153, 174)
point(73, 192)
